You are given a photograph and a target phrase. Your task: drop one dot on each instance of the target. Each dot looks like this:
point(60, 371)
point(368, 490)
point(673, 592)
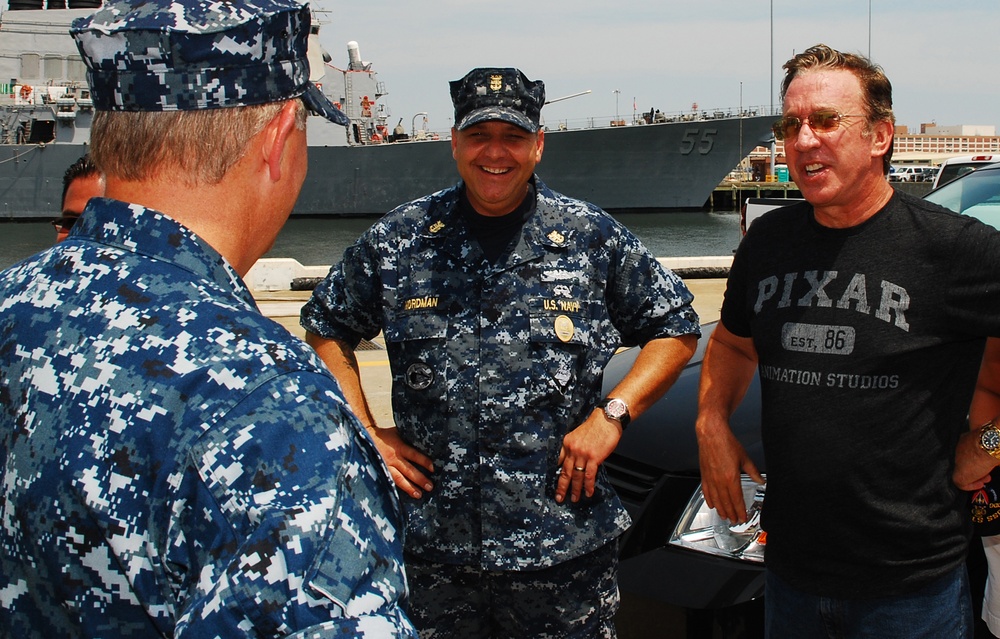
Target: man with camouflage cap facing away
point(175, 464)
point(501, 302)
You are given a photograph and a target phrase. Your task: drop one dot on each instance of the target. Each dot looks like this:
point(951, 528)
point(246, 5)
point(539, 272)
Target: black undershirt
point(497, 236)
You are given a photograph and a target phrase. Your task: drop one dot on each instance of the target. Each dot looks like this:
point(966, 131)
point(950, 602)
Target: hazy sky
point(943, 57)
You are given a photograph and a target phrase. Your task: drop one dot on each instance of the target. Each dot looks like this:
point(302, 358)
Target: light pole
point(773, 141)
point(616, 92)
point(869, 29)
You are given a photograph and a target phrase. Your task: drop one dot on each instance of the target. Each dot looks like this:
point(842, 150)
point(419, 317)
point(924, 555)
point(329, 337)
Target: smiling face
point(495, 160)
point(840, 171)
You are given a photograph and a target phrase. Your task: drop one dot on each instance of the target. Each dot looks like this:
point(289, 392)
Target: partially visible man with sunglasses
point(81, 182)
point(865, 312)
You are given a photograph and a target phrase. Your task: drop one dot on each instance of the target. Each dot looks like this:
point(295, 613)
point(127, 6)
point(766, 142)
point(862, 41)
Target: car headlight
point(700, 528)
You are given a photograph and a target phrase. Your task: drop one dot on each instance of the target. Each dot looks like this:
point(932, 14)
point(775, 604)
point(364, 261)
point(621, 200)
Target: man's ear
point(276, 135)
point(882, 135)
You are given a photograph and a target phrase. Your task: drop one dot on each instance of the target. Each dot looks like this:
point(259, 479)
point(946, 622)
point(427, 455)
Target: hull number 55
point(700, 139)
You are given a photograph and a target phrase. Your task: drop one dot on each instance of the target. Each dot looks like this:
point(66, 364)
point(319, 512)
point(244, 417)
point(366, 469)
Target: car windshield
point(976, 194)
point(952, 171)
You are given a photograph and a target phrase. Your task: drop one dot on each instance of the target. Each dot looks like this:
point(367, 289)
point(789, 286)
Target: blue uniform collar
point(137, 229)
point(547, 227)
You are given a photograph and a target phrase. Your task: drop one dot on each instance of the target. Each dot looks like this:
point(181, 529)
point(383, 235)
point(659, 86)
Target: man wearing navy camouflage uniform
point(174, 463)
point(501, 302)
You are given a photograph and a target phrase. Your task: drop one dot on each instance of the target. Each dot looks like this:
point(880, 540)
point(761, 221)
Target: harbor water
point(321, 241)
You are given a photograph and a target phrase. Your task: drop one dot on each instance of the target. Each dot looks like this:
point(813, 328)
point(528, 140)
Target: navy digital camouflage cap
point(497, 94)
point(181, 55)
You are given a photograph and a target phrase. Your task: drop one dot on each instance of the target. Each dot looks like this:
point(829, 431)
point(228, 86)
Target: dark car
point(683, 572)
point(681, 568)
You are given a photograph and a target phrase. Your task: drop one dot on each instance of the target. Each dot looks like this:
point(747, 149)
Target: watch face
point(616, 408)
point(990, 439)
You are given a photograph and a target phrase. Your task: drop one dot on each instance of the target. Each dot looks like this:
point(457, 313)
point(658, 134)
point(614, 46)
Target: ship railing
point(42, 94)
point(598, 122)
point(654, 116)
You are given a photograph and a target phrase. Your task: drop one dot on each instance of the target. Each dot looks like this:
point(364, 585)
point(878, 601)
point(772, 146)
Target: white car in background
point(910, 173)
point(976, 193)
point(962, 164)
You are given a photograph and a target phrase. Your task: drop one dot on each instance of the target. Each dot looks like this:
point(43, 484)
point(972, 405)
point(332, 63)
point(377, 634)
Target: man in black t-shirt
point(864, 311)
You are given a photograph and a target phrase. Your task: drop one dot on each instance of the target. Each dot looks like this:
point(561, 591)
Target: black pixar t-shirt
point(869, 342)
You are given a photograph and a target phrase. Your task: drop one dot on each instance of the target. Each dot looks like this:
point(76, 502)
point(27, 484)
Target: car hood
point(663, 437)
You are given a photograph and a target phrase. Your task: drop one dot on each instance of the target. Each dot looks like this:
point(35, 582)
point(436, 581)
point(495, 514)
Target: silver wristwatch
point(617, 410)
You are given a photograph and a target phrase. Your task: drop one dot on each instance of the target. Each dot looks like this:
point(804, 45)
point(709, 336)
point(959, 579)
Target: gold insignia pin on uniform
point(496, 82)
point(556, 237)
point(436, 227)
point(564, 328)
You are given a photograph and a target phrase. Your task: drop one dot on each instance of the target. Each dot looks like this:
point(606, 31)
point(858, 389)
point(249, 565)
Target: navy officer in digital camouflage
point(175, 464)
point(501, 302)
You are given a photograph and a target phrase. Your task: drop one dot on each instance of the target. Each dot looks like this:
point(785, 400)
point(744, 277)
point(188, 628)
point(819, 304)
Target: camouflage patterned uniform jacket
point(174, 463)
point(493, 364)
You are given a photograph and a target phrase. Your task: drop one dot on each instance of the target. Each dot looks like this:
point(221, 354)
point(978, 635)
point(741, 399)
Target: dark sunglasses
point(64, 223)
point(822, 121)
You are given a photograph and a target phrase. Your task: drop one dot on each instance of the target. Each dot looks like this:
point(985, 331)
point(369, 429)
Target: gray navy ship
point(659, 162)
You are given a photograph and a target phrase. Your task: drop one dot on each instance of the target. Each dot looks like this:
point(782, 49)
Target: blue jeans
point(939, 610)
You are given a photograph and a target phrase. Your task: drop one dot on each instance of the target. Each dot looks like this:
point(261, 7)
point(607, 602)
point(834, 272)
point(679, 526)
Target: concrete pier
point(283, 306)
point(287, 274)
point(728, 195)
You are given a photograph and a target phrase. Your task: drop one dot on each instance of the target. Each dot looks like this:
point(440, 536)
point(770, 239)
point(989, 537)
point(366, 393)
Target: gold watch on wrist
point(989, 439)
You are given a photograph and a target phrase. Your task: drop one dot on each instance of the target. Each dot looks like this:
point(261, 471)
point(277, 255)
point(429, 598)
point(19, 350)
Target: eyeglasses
point(822, 121)
point(64, 223)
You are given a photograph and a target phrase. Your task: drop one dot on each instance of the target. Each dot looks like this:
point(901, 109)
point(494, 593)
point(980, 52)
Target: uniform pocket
point(559, 342)
point(419, 359)
point(418, 356)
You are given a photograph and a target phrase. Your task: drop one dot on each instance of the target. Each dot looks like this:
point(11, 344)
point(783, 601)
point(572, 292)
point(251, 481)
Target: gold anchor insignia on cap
point(564, 328)
point(556, 237)
point(496, 82)
point(436, 227)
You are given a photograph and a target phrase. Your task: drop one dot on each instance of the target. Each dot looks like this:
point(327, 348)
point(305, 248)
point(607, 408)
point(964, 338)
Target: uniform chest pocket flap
point(416, 326)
